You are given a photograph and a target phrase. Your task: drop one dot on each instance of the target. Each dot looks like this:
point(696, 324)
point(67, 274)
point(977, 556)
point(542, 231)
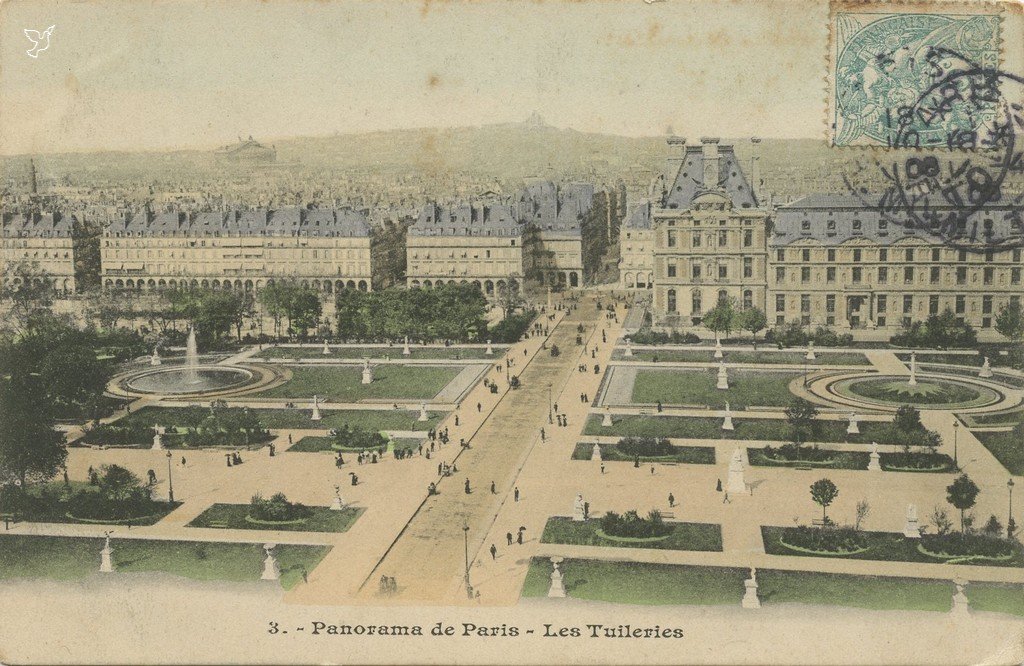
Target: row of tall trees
point(452, 312)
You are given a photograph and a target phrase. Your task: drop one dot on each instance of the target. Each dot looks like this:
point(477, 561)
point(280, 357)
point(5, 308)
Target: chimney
point(709, 155)
point(755, 168)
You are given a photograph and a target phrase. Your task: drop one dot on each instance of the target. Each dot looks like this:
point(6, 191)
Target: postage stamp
point(882, 58)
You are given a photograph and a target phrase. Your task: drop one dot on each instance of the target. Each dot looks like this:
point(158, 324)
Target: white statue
point(337, 504)
point(155, 358)
point(853, 428)
point(595, 454)
point(607, 421)
point(316, 409)
point(557, 588)
point(912, 530)
point(986, 369)
point(737, 485)
point(106, 565)
point(750, 598)
point(913, 369)
point(874, 465)
point(271, 569)
point(424, 416)
point(579, 509)
point(727, 421)
point(367, 372)
point(158, 433)
point(723, 377)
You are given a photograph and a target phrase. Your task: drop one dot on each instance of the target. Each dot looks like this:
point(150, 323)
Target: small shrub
point(631, 525)
point(645, 447)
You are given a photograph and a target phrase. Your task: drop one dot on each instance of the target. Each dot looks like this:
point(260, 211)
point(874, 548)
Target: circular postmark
point(954, 160)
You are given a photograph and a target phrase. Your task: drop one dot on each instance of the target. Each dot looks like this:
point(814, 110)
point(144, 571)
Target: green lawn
point(394, 353)
point(997, 598)
point(638, 583)
point(707, 427)
point(367, 419)
point(53, 503)
point(72, 558)
point(667, 584)
point(684, 536)
point(343, 383)
point(1007, 448)
point(233, 516)
point(690, 455)
point(766, 357)
point(885, 546)
point(317, 444)
point(697, 387)
point(875, 592)
point(1008, 418)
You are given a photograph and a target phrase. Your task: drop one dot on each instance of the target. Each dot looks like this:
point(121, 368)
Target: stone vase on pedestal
point(874, 464)
point(723, 377)
point(750, 598)
point(557, 588)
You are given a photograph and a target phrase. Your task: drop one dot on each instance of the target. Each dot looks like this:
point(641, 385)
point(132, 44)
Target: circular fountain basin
point(930, 392)
point(183, 380)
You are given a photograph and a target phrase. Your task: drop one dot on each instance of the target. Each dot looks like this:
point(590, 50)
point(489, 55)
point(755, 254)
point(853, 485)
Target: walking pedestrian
point(718, 486)
point(456, 420)
point(467, 486)
point(652, 469)
point(671, 500)
point(725, 498)
point(183, 461)
point(494, 491)
point(508, 535)
point(602, 468)
point(494, 552)
point(479, 407)
point(519, 539)
point(516, 494)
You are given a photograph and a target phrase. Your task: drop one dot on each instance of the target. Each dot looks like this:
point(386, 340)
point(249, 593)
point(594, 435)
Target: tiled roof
point(466, 219)
point(283, 222)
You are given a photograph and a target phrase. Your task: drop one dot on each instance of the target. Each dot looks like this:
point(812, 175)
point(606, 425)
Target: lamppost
point(1009, 516)
point(550, 417)
point(170, 480)
point(465, 541)
point(956, 431)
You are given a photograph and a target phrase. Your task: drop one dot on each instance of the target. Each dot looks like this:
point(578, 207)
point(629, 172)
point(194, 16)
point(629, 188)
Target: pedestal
point(961, 604)
point(986, 370)
point(158, 444)
point(271, 569)
point(106, 565)
point(723, 378)
point(853, 428)
point(727, 422)
point(607, 422)
point(367, 375)
point(875, 465)
point(595, 455)
point(579, 511)
point(750, 598)
point(912, 530)
point(557, 588)
point(736, 483)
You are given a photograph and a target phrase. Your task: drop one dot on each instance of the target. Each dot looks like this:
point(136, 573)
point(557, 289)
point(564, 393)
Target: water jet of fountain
point(191, 357)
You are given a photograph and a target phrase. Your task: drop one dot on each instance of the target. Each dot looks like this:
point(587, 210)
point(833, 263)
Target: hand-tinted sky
point(137, 74)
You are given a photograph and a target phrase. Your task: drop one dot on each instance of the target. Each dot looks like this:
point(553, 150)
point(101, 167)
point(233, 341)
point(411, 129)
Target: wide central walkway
point(428, 558)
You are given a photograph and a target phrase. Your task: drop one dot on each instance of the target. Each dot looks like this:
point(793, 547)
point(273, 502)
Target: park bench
point(818, 522)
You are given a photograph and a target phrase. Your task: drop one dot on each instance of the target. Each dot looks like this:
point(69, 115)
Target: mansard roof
point(688, 179)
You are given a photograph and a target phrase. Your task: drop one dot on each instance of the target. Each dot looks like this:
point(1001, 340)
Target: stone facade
point(480, 243)
point(837, 262)
point(328, 249)
point(636, 249)
point(824, 260)
point(46, 243)
point(709, 237)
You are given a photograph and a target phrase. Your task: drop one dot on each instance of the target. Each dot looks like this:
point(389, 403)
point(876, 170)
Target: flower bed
point(673, 536)
point(789, 455)
point(824, 541)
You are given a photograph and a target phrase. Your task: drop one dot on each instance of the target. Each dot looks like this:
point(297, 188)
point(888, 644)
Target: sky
point(156, 75)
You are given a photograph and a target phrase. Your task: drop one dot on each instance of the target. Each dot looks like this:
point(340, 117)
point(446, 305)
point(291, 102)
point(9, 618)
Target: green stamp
point(884, 63)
